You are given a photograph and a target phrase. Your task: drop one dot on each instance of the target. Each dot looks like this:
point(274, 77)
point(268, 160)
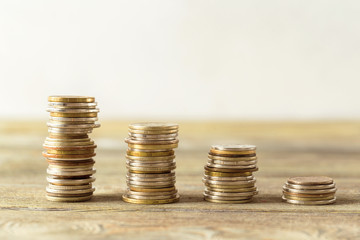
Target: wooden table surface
point(284, 150)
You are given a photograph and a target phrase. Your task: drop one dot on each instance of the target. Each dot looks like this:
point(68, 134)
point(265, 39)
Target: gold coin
point(225, 174)
point(150, 154)
point(72, 105)
point(69, 144)
point(324, 202)
point(230, 170)
point(70, 147)
point(228, 202)
point(153, 126)
point(313, 180)
point(229, 186)
point(224, 198)
point(232, 190)
point(71, 99)
point(225, 152)
point(68, 199)
point(149, 159)
point(309, 199)
point(68, 137)
point(73, 115)
point(231, 194)
point(64, 152)
point(153, 147)
point(150, 201)
point(68, 156)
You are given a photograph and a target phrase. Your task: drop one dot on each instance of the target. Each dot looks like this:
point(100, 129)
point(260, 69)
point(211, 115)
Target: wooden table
point(284, 149)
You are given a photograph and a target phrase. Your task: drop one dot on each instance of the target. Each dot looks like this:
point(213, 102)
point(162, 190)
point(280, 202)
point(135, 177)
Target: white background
point(183, 59)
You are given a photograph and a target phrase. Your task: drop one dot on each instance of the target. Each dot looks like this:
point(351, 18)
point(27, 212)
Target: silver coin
point(148, 151)
point(234, 147)
point(68, 199)
point(231, 166)
point(70, 173)
point(151, 159)
point(73, 159)
point(69, 119)
point(207, 177)
point(236, 159)
point(227, 186)
point(65, 140)
point(153, 126)
point(151, 142)
point(70, 192)
point(321, 202)
point(151, 164)
point(159, 197)
point(234, 195)
point(309, 187)
point(232, 190)
point(312, 191)
point(70, 182)
point(163, 179)
point(60, 187)
point(237, 183)
point(68, 168)
point(148, 169)
point(151, 184)
point(151, 193)
point(153, 136)
point(71, 105)
point(151, 175)
point(227, 198)
point(73, 110)
point(232, 163)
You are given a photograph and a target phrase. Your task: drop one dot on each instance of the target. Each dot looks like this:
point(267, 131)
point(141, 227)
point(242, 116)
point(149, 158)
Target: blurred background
point(203, 60)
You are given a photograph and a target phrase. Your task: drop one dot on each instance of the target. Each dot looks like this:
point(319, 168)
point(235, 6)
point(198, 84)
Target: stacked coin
point(228, 174)
point(309, 190)
point(151, 163)
point(69, 150)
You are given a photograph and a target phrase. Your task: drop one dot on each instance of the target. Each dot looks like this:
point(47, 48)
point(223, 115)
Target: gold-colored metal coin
point(129, 192)
point(68, 137)
point(235, 153)
point(70, 152)
point(151, 142)
point(126, 198)
point(235, 167)
point(313, 180)
point(230, 170)
point(73, 115)
point(150, 154)
point(309, 198)
point(68, 199)
point(70, 144)
point(153, 126)
point(72, 110)
point(73, 120)
point(228, 202)
point(68, 156)
point(207, 177)
point(73, 126)
point(150, 164)
point(60, 147)
point(71, 163)
point(151, 147)
point(226, 174)
point(71, 99)
point(323, 202)
point(158, 197)
point(150, 170)
point(229, 186)
point(229, 183)
point(156, 137)
point(231, 194)
point(223, 198)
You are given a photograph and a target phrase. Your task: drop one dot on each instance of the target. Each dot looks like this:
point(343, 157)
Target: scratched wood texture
point(284, 149)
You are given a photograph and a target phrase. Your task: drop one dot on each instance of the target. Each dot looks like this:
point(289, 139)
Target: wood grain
point(284, 150)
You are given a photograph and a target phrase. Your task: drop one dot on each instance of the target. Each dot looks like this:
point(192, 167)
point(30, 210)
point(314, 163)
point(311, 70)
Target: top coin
point(153, 126)
point(314, 180)
point(71, 99)
point(234, 147)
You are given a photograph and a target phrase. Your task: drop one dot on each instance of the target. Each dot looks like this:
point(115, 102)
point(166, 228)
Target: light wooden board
point(284, 149)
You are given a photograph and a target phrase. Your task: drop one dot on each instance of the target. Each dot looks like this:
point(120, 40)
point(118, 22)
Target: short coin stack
point(69, 150)
point(309, 190)
point(228, 174)
point(151, 163)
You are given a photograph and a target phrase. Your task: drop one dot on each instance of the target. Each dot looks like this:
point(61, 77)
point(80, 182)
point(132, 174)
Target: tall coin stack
point(151, 163)
point(228, 174)
point(69, 150)
point(318, 190)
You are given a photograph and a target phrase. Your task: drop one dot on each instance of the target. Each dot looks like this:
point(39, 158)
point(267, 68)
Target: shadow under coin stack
point(309, 190)
point(228, 174)
point(151, 163)
point(69, 150)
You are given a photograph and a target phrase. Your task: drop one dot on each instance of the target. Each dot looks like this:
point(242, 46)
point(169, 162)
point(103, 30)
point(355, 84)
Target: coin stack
point(228, 174)
point(309, 190)
point(69, 150)
point(151, 163)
